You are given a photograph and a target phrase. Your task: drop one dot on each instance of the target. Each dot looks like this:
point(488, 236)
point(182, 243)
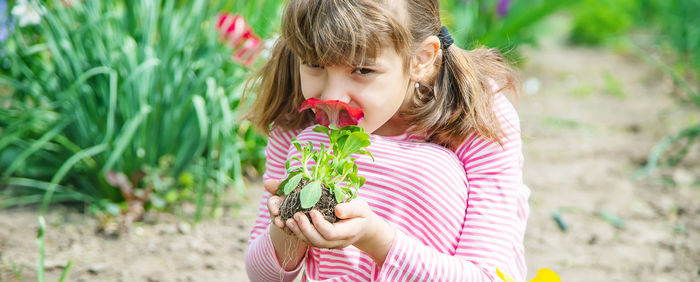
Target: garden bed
point(586, 131)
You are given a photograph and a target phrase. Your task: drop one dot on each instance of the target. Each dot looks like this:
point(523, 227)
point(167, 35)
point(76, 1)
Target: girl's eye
point(313, 66)
point(363, 71)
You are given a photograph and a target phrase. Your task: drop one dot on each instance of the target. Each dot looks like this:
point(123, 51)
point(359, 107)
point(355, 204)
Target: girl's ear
point(423, 60)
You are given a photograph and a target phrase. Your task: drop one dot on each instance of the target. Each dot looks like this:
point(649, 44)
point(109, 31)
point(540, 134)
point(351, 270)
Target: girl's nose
point(336, 88)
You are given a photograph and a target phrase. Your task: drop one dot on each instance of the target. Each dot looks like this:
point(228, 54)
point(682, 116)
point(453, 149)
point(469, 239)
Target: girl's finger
point(279, 222)
point(271, 185)
point(273, 205)
point(325, 228)
point(354, 208)
point(291, 224)
point(309, 231)
point(346, 229)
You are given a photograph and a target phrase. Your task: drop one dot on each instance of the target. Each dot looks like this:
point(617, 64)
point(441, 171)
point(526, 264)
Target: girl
point(426, 212)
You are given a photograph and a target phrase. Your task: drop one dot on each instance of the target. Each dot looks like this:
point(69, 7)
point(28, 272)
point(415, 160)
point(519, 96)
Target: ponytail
point(461, 100)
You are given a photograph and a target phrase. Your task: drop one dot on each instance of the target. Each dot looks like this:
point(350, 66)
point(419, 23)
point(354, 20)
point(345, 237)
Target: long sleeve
point(260, 258)
point(458, 215)
point(494, 220)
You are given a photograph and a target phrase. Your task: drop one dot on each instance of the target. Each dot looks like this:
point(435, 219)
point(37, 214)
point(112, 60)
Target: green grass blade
point(63, 170)
point(113, 80)
point(35, 146)
point(662, 146)
point(66, 269)
point(124, 139)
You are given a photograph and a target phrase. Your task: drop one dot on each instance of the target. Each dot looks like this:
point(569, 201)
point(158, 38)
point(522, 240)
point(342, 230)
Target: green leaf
point(340, 142)
point(353, 128)
point(294, 169)
point(42, 142)
point(366, 152)
point(310, 194)
point(346, 190)
point(125, 137)
point(297, 144)
point(292, 183)
point(347, 166)
point(321, 129)
point(354, 179)
point(355, 142)
point(282, 184)
point(339, 165)
point(339, 195)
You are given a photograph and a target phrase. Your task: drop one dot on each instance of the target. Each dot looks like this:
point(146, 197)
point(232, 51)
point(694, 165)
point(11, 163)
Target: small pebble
point(184, 228)
point(97, 268)
point(593, 239)
point(168, 229)
point(138, 231)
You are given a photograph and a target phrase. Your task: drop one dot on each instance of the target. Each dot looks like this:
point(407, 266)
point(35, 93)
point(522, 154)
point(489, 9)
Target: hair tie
point(445, 38)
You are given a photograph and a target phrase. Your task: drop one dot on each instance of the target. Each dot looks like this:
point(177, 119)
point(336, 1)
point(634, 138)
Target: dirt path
point(589, 127)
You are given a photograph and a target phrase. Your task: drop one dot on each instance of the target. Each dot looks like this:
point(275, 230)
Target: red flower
point(333, 112)
point(240, 36)
point(249, 51)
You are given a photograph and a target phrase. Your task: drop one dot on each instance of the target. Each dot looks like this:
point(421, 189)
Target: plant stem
point(65, 271)
point(40, 242)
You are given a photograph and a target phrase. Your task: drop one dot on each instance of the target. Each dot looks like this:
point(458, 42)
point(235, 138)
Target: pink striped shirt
point(458, 215)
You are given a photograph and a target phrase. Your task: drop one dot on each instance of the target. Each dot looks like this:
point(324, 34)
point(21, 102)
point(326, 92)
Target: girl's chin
point(364, 125)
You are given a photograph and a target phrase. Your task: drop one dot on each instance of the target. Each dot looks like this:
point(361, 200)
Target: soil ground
point(587, 128)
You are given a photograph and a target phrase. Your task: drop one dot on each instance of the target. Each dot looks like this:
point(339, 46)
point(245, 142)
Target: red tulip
point(333, 112)
point(240, 36)
point(249, 51)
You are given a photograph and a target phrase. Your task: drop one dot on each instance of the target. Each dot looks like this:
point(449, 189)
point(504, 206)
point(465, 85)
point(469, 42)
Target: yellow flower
point(543, 275)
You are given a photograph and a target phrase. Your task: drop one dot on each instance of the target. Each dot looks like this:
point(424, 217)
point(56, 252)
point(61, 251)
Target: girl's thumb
point(354, 208)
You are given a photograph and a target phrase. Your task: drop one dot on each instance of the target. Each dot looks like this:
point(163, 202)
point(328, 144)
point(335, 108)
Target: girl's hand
point(358, 226)
point(290, 258)
point(274, 202)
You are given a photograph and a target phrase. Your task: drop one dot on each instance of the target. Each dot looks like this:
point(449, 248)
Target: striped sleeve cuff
point(391, 270)
point(410, 260)
point(261, 262)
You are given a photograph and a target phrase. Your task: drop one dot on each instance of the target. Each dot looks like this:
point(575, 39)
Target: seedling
point(332, 178)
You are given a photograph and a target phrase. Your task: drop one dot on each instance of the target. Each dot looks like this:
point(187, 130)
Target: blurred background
point(121, 126)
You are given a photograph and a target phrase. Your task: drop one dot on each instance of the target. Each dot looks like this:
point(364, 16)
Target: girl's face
point(378, 88)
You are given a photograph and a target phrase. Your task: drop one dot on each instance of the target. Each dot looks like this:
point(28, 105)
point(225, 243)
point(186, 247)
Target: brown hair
point(453, 103)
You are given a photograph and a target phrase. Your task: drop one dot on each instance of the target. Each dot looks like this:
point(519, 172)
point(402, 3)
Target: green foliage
point(688, 135)
point(595, 21)
point(678, 26)
point(123, 86)
point(334, 167)
point(479, 22)
point(613, 86)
